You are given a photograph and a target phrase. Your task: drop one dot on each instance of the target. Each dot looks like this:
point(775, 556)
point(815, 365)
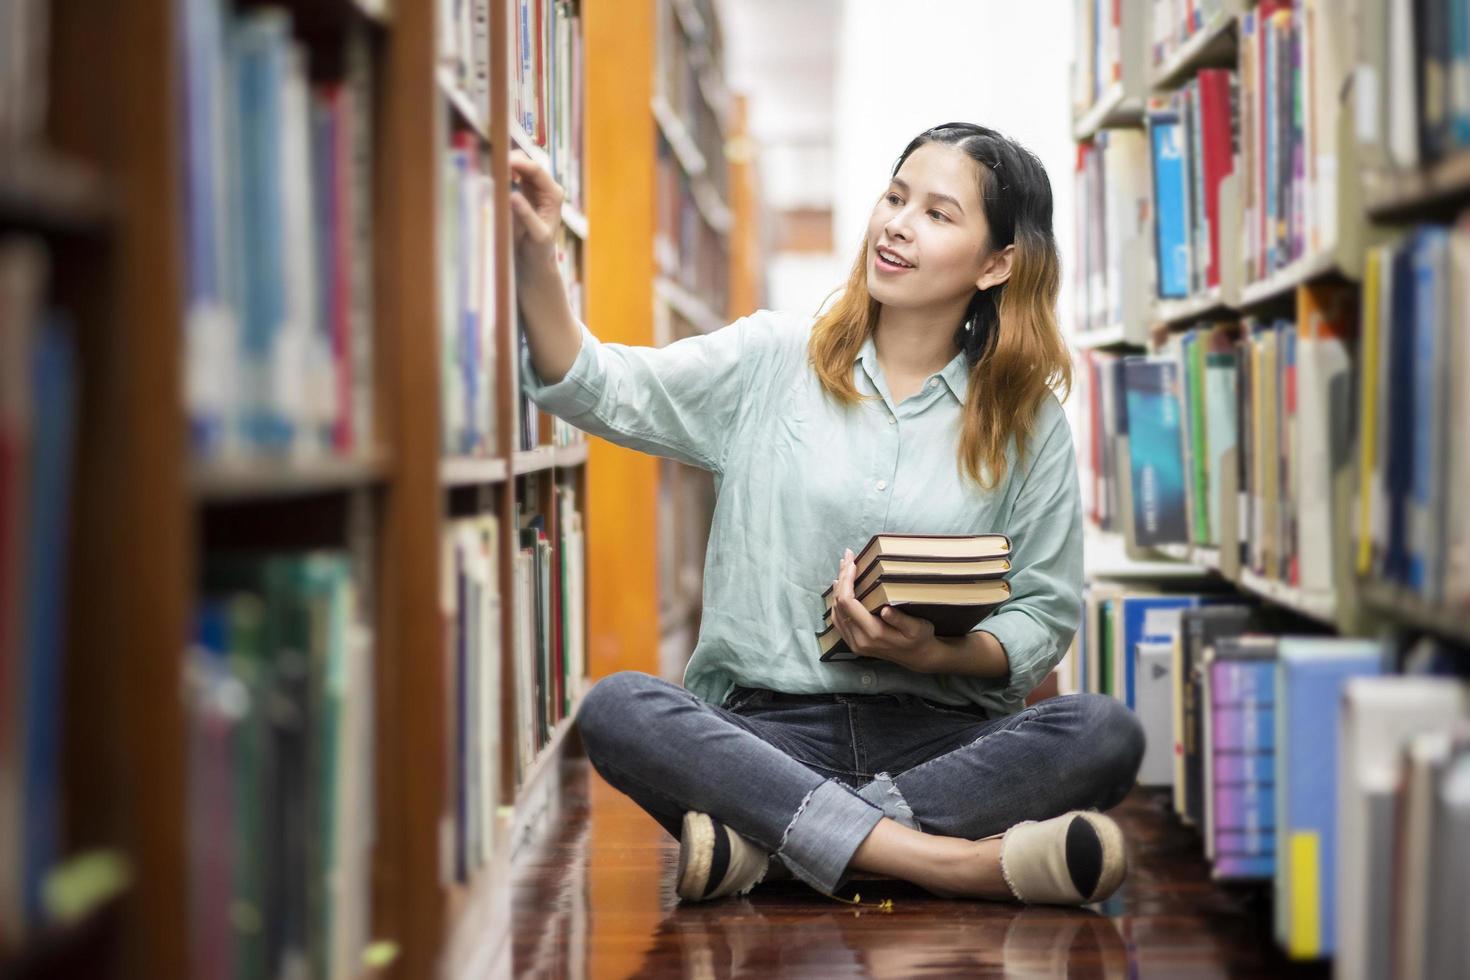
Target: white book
point(1402, 101)
point(1425, 758)
point(1155, 696)
point(1449, 939)
point(1323, 367)
point(304, 392)
point(1379, 715)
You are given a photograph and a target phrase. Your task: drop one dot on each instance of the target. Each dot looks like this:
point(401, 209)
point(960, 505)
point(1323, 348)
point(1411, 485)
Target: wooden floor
point(598, 901)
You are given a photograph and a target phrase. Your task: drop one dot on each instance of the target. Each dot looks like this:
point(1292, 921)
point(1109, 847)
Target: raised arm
point(683, 401)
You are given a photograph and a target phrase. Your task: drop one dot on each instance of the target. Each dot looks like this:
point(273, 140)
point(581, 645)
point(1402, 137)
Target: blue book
point(1172, 238)
point(1459, 107)
point(1399, 439)
point(260, 45)
point(44, 639)
point(1147, 618)
point(1310, 678)
point(1156, 454)
point(1423, 519)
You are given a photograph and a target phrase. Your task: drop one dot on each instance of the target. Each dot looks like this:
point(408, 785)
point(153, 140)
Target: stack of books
point(951, 580)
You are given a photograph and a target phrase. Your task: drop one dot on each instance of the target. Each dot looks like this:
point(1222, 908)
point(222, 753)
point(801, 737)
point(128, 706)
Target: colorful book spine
point(1242, 742)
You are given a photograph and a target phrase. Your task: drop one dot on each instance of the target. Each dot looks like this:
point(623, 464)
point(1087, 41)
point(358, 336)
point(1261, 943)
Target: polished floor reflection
point(599, 902)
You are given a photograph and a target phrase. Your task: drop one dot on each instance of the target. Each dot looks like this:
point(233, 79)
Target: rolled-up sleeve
point(1036, 625)
point(682, 401)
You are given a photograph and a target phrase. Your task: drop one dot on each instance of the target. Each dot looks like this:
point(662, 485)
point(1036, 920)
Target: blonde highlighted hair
point(1010, 336)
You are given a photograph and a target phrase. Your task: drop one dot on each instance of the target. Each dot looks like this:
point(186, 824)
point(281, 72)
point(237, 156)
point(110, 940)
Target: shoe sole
point(696, 853)
point(1114, 856)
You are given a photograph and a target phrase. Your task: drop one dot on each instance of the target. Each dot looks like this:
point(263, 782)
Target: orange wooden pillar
point(622, 498)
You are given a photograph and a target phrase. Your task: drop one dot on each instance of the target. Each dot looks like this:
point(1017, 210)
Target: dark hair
point(1016, 195)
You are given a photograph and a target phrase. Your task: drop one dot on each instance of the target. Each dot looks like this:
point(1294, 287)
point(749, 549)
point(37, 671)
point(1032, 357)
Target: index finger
point(528, 169)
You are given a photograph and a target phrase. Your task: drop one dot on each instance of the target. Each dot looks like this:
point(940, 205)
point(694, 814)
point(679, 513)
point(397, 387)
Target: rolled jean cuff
point(821, 839)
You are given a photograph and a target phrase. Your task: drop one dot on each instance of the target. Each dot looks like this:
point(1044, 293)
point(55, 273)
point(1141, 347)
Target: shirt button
point(892, 420)
point(934, 382)
point(882, 484)
point(867, 680)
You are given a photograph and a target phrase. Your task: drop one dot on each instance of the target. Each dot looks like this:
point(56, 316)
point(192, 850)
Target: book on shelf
point(1193, 141)
point(547, 85)
point(572, 559)
point(1240, 757)
point(464, 50)
point(1173, 249)
point(1413, 522)
point(1176, 22)
point(1097, 59)
point(1112, 205)
point(966, 582)
point(24, 83)
point(1199, 629)
point(39, 402)
point(470, 603)
point(280, 790)
point(1311, 675)
point(1295, 61)
point(1412, 105)
point(1378, 718)
point(277, 237)
point(1160, 514)
point(1154, 696)
point(468, 331)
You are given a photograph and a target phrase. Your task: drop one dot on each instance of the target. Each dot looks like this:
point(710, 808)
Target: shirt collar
point(956, 373)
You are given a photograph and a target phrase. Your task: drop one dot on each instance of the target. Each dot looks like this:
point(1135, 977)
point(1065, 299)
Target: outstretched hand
point(892, 635)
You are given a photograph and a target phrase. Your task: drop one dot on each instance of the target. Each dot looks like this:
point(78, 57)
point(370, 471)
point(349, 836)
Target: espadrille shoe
point(1074, 859)
point(715, 861)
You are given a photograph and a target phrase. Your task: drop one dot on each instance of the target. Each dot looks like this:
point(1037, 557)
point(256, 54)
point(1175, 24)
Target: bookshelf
point(325, 452)
point(1299, 392)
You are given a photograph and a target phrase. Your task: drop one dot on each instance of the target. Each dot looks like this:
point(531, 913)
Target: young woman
point(921, 401)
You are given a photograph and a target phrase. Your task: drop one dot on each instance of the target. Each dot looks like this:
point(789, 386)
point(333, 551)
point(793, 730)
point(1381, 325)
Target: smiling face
point(930, 223)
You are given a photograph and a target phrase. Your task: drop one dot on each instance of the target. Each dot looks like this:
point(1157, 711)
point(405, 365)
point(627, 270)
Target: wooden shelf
point(239, 481)
point(1397, 196)
point(374, 10)
point(543, 458)
point(466, 471)
point(1175, 312)
point(566, 457)
point(1115, 110)
point(1406, 609)
point(43, 192)
point(1284, 281)
point(1106, 556)
point(689, 306)
point(1213, 46)
point(714, 210)
point(462, 105)
point(1103, 339)
point(1313, 605)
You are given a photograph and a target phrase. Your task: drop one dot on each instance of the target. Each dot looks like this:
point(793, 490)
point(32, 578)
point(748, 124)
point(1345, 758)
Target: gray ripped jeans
point(808, 776)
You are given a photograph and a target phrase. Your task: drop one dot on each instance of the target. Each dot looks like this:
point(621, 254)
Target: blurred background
point(299, 595)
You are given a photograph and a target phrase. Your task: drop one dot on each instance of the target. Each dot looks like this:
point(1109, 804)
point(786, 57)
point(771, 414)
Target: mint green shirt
point(799, 478)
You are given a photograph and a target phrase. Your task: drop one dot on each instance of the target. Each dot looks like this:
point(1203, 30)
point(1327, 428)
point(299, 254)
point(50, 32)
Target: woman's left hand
point(893, 636)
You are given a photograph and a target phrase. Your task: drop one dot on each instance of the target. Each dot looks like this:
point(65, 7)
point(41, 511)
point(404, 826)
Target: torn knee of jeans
point(884, 793)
